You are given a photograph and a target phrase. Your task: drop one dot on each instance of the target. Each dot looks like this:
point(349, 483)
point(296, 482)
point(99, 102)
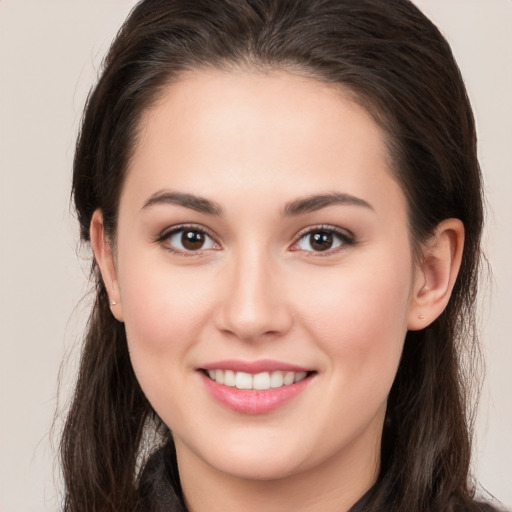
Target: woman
point(284, 204)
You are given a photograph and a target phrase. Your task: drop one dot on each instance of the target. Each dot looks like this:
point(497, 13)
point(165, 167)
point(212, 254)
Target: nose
point(253, 304)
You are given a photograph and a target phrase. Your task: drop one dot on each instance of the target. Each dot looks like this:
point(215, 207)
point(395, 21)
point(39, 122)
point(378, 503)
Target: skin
point(253, 143)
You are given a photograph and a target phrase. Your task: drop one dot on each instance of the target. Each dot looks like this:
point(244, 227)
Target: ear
point(104, 258)
point(436, 273)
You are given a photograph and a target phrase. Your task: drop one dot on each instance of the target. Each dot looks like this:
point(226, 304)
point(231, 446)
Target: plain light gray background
point(50, 51)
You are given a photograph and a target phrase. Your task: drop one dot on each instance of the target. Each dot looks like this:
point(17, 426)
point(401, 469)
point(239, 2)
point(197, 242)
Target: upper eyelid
point(324, 227)
point(166, 233)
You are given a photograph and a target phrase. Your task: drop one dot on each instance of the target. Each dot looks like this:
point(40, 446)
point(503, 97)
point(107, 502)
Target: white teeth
point(260, 381)
point(299, 376)
point(242, 380)
point(288, 378)
point(229, 378)
point(276, 379)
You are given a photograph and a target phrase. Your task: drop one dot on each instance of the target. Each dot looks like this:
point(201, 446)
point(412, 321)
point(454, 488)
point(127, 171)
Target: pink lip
point(250, 401)
point(254, 367)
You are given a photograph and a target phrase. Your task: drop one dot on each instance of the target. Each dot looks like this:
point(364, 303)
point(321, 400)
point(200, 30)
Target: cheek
point(359, 317)
point(164, 308)
point(165, 313)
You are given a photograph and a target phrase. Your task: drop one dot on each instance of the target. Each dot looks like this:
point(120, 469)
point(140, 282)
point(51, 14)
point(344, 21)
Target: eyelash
point(164, 237)
point(344, 238)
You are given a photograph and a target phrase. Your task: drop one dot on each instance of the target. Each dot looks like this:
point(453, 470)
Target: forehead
point(230, 133)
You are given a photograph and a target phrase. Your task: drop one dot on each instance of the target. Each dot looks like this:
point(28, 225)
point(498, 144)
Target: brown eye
point(322, 240)
point(189, 240)
point(192, 240)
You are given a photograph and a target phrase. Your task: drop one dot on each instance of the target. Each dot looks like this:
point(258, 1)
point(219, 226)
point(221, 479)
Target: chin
point(259, 467)
point(244, 459)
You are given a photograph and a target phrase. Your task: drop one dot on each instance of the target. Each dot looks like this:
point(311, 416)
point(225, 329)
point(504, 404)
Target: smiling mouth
point(259, 381)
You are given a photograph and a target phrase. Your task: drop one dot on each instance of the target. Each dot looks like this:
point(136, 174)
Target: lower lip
point(250, 401)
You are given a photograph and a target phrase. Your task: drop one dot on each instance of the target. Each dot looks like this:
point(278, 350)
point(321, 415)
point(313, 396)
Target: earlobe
point(436, 273)
point(105, 261)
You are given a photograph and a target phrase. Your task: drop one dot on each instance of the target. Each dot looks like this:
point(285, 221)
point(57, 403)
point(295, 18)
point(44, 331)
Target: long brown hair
point(395, 63)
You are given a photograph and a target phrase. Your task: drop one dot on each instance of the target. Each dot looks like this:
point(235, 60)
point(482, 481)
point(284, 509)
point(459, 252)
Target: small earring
point(421, 317)
point(113, 303)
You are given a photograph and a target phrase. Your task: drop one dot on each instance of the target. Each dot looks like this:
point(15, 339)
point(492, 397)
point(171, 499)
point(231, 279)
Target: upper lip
point(254, 367)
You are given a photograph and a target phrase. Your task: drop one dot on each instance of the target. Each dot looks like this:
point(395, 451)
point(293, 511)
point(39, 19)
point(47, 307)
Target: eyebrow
point(317, 202)
point(294, 208)
point(199, 204)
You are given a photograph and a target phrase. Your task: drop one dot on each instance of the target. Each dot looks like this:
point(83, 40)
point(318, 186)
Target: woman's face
point(263, 243)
